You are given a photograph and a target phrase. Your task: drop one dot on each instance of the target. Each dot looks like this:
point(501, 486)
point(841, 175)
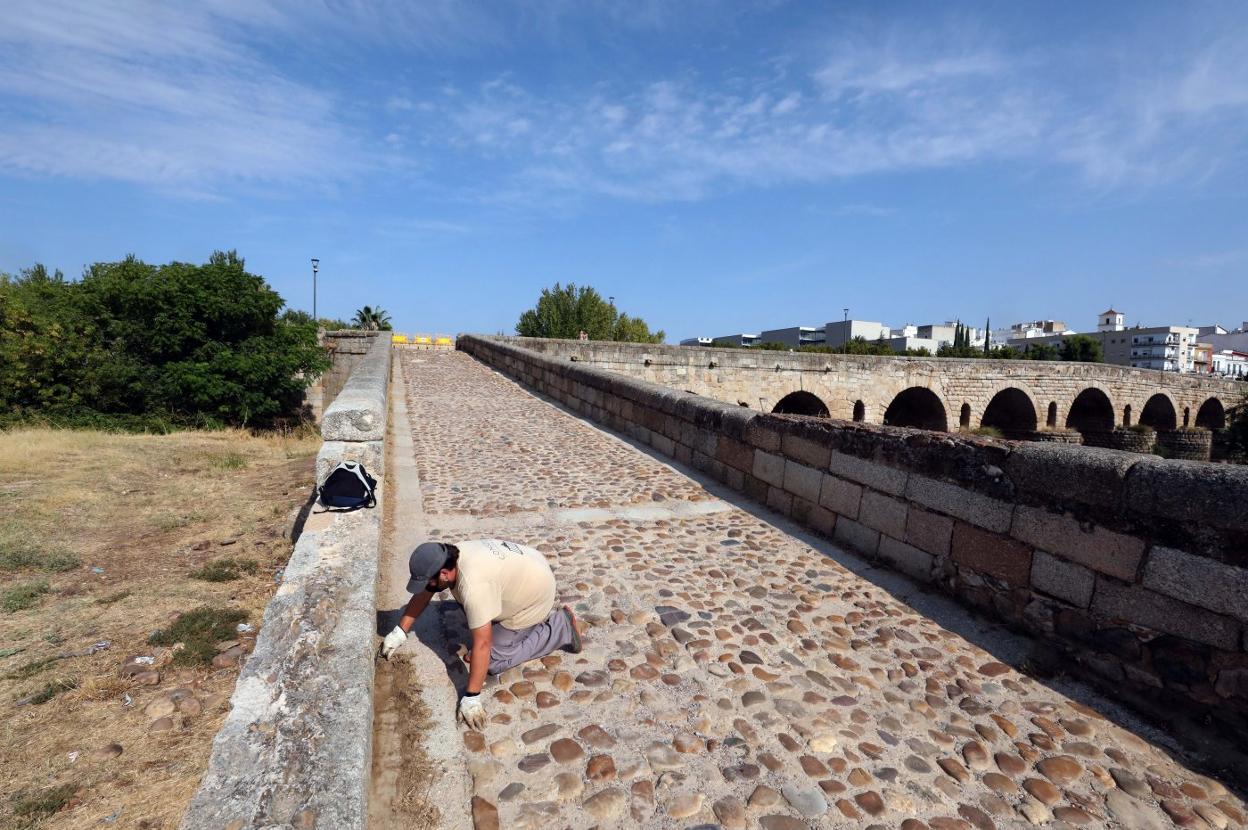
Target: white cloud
point(161, 96)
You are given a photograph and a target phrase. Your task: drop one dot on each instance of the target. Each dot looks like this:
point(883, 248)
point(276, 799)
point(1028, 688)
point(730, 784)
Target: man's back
point(504, 582)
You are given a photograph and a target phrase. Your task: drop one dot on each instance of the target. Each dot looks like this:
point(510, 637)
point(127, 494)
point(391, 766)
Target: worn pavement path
point(741, 673)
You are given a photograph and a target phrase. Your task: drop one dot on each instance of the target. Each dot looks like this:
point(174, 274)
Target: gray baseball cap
point(424, 564)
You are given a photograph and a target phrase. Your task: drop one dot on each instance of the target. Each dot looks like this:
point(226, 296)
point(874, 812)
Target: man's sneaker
point(576, 632)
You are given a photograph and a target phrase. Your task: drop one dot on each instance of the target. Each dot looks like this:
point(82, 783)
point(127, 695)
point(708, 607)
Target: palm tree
point(371, 319)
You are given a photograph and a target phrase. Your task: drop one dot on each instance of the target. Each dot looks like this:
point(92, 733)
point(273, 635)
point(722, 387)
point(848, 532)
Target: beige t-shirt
point(503, 582)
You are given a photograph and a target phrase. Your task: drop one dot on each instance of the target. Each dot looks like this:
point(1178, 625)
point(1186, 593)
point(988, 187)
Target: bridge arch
point(964, 416)
point(1050, 420)
point(1011, 410)
point(801, 403)
point(1159, 413)
point(918, 407)
point(1091, 411)
point(1211, 415)
point(860, 411)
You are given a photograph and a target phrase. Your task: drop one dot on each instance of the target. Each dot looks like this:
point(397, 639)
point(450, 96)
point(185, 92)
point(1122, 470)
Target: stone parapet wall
point(296, 748)
point(1187, 444)
point(760, 379)
point(1133, 565)
point(346, 348)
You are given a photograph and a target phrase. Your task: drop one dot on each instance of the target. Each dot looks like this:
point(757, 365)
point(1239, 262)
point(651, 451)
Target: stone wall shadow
point(443, 629)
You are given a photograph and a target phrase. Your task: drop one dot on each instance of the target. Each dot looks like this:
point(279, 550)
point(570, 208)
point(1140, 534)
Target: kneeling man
point(508, 593)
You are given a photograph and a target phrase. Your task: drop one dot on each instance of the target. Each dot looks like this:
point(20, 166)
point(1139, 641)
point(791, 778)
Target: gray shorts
point(511, 648)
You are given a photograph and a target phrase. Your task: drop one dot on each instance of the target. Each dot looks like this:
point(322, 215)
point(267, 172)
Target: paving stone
point(808, 801)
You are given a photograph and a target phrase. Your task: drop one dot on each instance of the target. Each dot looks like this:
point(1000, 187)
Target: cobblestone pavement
point(736, 676)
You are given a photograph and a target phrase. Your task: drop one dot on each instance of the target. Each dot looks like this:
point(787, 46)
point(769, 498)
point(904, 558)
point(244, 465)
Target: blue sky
point(716, 167)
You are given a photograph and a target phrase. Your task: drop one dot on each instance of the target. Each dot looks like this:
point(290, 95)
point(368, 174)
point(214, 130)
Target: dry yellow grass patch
point(114, 525)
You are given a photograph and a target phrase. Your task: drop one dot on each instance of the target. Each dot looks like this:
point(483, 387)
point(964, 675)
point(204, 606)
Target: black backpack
point(349, 486)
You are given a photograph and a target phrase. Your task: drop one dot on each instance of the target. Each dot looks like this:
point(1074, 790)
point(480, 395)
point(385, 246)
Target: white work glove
point(393, 640)
point(472, 711)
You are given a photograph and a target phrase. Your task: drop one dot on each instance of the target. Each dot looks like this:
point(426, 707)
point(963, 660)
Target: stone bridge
point(794, 622)
point(1089, 403)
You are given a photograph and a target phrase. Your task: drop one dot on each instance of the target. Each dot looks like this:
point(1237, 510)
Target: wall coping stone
point(359, 411)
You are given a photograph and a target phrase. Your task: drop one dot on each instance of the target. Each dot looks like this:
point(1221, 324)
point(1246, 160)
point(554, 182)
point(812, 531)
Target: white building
point(735, 340)
point(793, 336)
point(1230, 363)
point(842, 331)
point(697, 341)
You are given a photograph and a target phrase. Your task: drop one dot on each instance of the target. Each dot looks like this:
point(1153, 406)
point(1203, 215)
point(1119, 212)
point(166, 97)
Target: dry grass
point(115, 525)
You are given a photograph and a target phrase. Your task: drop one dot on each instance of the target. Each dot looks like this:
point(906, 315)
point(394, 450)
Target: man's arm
point(415, 607)
point(398, 636)
point(482, 642)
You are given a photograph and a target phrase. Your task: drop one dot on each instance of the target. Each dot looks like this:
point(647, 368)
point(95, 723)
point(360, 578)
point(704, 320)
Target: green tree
point(566, 311)
point(371, 319)
point(1041, 351)
point(178, 342)
point(1081, 347)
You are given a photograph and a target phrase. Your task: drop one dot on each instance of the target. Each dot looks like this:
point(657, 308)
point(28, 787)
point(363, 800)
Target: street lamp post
point(315, 263)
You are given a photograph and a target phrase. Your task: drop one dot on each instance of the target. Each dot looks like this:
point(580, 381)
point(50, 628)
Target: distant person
point(584, 335)
point(508, 593)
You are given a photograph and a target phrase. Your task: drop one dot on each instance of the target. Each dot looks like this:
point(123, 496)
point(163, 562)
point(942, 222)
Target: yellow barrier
point(443, 341)
point(398, 338)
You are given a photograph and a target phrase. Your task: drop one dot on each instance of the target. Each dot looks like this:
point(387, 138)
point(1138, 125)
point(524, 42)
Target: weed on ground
point(23, 556)
point(225, 570)
point(199, 631)
point(49, 691)
point(28, 809)
point(23, 595)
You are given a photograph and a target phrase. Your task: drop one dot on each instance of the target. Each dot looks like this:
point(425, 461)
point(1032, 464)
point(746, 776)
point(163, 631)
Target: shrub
point(154, 348)
point(988, 432)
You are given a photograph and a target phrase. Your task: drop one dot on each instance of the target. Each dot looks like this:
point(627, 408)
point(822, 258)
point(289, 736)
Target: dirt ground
point(99, 537)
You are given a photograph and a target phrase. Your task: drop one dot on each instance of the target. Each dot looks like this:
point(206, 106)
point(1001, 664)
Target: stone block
point(967, 505)
point(1086, 475)
point(1137, 605)
point(763, 436)
point(991, 554)
point(779, 501)
point(1203, 582)
point(883, 513)
point(1102, 550)
point(1064, 580)
point(769, 467)
point(359, 411)
point(840, 496)
point(820, 519)
point(809, 452)
point(735, 422)
point(1189, 491)
point(802, 481)
point(755, 488)
point(735, 453)
point(906, 558)
point(662, 443)
point(372, 454)
point(857, 536)
point(929, 531)
point(877, 476)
